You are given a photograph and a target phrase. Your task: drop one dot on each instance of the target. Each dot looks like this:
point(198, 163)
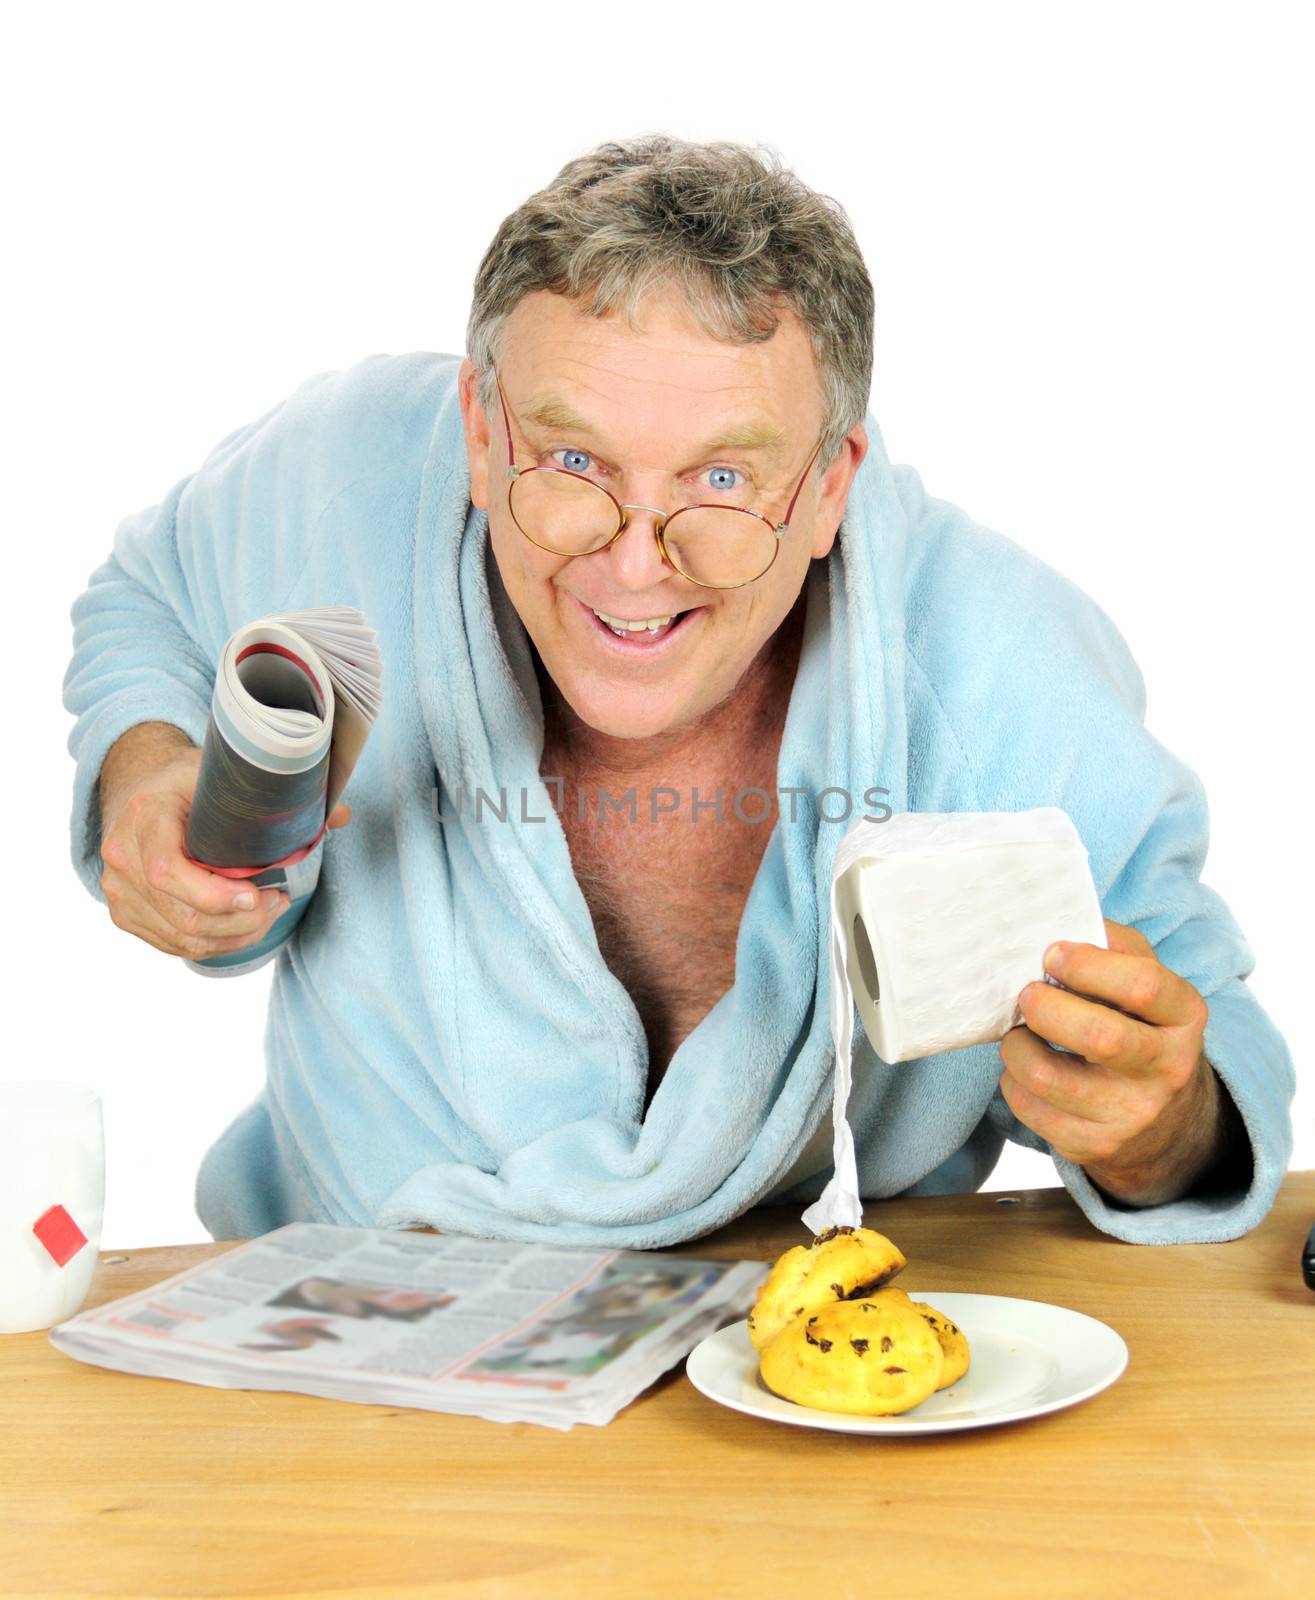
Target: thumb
point(340, 816)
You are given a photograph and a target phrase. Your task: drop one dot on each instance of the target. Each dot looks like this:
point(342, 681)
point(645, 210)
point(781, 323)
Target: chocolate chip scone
point(876, 1356)
point(954, 1346)
point(839, 1265)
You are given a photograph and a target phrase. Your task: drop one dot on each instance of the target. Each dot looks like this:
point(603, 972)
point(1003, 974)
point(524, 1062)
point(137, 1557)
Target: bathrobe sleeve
point(137, 658)
point(1048, 705)
point(223, 547)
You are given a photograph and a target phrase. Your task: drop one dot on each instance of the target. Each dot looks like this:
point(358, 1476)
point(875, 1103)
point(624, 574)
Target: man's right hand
point(153, 890)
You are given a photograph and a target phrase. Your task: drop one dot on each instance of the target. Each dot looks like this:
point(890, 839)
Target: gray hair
point(728, 226)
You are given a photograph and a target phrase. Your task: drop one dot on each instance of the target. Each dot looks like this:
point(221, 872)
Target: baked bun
point(871, 1357)
point(840, 1264)
point(954, 1347)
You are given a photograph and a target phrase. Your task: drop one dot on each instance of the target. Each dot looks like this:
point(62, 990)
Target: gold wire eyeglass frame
point(661, 520)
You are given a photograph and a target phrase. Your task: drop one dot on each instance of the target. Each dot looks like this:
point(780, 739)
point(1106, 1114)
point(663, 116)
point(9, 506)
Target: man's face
point(647, 402)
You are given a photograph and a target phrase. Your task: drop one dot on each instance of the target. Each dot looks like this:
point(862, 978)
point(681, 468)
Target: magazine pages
point(509, 1332)
point(295, 697)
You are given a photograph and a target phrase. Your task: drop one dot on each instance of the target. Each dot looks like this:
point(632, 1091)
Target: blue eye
point(575, 460)
point(722, 477)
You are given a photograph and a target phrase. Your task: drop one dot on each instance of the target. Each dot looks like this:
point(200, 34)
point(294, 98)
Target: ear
point(477, 435)
point(834, 490)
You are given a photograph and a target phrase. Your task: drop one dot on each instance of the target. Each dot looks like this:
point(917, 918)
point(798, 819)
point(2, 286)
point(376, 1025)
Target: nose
point(637, 561)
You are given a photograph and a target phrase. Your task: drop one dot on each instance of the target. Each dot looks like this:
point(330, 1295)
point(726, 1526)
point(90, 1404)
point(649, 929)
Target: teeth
point(621, 626)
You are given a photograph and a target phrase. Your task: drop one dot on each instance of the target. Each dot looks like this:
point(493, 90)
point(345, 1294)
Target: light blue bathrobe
point(445, 1043)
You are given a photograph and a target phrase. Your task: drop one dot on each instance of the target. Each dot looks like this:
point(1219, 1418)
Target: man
point(641, 552)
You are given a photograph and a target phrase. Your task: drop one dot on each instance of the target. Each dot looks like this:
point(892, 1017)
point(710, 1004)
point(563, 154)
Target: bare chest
point(666, 898)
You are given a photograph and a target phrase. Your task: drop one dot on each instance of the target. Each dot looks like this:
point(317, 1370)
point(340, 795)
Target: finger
point(1064, 1082)
point(146, 925)
point(1127, 940)
point(177, 924)
point(170, 912)
point(240, 925)
point(1098, 1033)
point(200, 947)
point(1077, 1139)
point(1139, 985)
point(340, 816)
point(169, 872)
point(207, 949)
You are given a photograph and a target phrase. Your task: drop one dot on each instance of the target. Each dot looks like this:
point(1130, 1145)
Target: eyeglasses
point(714, 546)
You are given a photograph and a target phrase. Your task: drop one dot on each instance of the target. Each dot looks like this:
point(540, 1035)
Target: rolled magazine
point(295, 697)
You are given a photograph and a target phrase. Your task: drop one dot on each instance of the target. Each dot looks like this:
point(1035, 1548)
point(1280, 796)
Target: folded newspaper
point(295, 697)
point(508, 1332)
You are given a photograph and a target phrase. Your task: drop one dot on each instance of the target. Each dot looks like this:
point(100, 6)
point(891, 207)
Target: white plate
point(1027, 1358)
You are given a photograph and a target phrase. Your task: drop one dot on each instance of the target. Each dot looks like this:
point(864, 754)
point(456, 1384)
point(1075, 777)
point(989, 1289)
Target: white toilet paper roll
point(938, 921)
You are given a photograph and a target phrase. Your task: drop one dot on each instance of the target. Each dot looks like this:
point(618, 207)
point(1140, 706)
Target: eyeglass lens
point(571, 516)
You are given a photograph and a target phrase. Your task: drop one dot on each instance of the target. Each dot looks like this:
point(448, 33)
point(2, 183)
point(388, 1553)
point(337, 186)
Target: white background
point(1087, 227)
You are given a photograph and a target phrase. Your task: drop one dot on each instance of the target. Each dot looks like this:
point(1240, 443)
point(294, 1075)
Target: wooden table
point(1194, 1474)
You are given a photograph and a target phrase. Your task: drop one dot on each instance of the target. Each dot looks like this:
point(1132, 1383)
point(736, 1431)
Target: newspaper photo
point(508, 1332)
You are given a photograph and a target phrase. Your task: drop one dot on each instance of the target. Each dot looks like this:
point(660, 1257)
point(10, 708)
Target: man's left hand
point(1136, 1105)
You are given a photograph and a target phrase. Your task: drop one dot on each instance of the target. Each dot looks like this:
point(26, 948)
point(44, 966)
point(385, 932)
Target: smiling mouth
point(637, 641)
